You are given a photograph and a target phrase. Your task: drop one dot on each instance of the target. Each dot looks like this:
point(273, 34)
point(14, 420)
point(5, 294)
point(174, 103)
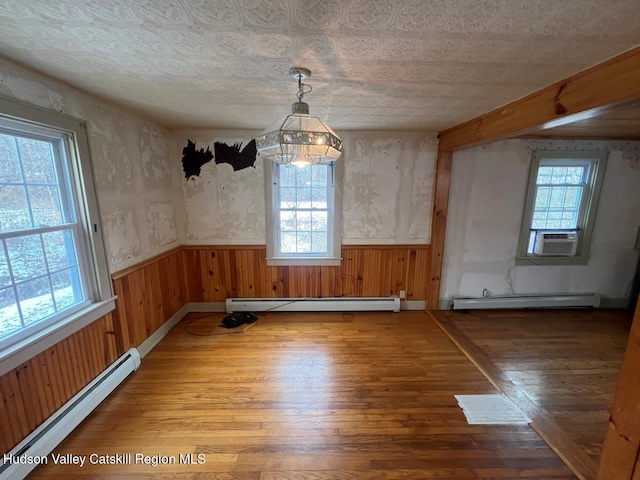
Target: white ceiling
point(382, 65)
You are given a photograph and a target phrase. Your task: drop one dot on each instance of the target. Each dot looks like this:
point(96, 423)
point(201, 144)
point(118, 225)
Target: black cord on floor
point(213, 334)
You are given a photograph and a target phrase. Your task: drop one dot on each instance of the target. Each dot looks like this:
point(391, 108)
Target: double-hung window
point(560, 207)
point(303, 214)
point(53, 270)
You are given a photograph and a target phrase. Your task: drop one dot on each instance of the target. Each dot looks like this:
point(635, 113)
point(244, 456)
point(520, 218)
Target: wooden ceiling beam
point(613, 81)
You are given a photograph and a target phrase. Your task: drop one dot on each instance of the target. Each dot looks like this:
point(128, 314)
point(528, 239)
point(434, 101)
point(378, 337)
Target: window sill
point(544, 261)
point(303, 261)
point(22, 351)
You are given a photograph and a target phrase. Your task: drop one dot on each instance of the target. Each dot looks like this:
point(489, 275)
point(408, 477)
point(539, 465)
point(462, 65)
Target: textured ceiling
point(403, 64)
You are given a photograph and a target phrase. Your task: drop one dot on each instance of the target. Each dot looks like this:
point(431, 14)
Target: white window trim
point(598, 161)
point(88, 217)
point(312, 260)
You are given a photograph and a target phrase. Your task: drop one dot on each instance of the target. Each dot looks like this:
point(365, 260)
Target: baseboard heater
point(40, 443)
point(527, 301)
point(329, 304)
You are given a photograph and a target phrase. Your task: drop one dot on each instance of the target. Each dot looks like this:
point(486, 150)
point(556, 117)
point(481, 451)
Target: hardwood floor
point(306, 396)
point(566, 361)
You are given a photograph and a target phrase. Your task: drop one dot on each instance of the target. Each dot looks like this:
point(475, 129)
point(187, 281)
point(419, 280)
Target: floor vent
point(40, 443)
point(527, 301)
point(329, 304)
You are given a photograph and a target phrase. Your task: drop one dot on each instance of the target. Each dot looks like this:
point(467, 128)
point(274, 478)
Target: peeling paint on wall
point(114, 166)
point(161, 222)
point(388, 187)
point(223, 205)
point(193, 159)
point(234, 156)
point(122, 236)
point(387, 191)
point(372, 184)
point(154, 148)
point(423, 175)
point(130, 162)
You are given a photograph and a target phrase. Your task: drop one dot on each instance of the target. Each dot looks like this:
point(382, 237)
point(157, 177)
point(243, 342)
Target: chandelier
point(299, 139)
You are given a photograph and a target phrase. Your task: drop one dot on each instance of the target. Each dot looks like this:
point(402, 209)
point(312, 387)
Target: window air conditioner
point(556, 243)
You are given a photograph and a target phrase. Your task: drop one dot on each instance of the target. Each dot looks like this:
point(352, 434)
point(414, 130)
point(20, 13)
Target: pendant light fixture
point(299, 139)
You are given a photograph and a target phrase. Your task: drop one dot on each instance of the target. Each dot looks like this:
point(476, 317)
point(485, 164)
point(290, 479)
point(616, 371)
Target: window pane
point(303, 176)
point(559, 175)
point(37, 161)
point(303, 198)
point(553, 219)
point(319, 174)
point(569, 219)
point(67, 288)
point(26, 257)
point(319, 242)
point(303, 244)
point(35, 299)
point(14, 209)
point(9, 318)
point(9, 166)
point(575, 175)
point(572, 199)
point(288, 242)
point(557, 197)
point(5, 277)
point(287, 197)
point(304, 221)
point(60, 250)
point(45, 205)
point(288, 221)
point(319, 197)
point(544, 175)
point(542, 197)
point(287, 175)
point(319, 221)
point(539, 220)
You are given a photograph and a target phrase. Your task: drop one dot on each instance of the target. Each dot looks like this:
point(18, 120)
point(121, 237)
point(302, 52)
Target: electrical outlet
point(402, 293)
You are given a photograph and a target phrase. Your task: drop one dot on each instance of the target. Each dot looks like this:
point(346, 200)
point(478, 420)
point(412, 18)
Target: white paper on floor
point(490, 410)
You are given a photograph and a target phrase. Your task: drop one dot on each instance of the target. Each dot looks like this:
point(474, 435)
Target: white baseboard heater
point(329, 304)
point(41, 442)
point(527, 301)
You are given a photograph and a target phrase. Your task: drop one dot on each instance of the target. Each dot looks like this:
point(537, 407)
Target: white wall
point(387, 190)
point(488, 188)
point(133, 176)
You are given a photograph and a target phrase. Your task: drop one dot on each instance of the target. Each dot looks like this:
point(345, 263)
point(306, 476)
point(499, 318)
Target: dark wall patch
point(193, 160)
point(233, 156)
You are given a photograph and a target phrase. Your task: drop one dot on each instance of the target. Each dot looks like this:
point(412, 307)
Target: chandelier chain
point(301, 88)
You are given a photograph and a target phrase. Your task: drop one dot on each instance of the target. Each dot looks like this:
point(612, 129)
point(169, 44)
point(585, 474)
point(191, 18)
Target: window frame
point(597, 161)
point(334, 222)
point(27, 120)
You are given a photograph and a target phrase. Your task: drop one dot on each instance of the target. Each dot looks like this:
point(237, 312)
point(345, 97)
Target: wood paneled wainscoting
point(153, 291)
point(214, 273)
point(148, 295)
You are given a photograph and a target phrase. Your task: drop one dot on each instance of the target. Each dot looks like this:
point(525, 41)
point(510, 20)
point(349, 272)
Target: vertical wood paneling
point(218, 273)
point(33, 391)
point(148, 295)
point(151, 292)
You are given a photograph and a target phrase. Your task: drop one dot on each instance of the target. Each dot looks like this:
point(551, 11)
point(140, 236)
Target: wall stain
point(193, 160)
point(235, 157)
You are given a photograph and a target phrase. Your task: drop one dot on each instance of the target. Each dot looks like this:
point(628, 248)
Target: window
point(560, 207)
point(302, 206)
point(53, 272)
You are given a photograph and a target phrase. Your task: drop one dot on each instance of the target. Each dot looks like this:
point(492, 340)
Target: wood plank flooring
point(566, 361)
point(306, 397)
